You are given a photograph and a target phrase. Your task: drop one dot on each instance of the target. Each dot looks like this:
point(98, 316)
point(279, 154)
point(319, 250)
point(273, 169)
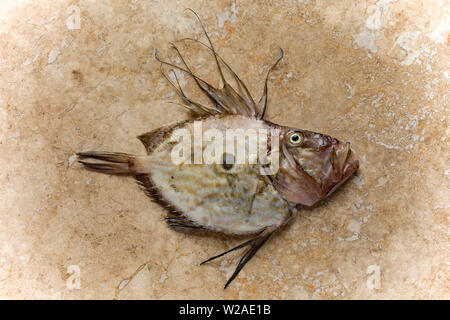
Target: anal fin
point(180, 222)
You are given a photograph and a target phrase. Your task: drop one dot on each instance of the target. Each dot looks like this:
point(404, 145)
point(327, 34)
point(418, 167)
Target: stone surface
point(80, 75)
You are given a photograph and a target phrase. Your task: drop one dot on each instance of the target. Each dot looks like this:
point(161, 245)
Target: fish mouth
point(350, 168)
point(343, 153)
point(344, 165)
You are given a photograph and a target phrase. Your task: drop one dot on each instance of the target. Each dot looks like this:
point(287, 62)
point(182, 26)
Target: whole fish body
point(228, 196)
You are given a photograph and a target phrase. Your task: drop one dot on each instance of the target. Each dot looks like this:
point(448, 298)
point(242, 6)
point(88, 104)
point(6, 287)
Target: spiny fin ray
point(255, 244)
point(226, 99)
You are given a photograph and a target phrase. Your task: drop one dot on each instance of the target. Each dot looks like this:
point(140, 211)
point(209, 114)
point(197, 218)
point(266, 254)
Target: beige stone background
point(371, 72)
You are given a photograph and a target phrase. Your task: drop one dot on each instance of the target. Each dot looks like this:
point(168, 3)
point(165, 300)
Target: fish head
point(312, 166)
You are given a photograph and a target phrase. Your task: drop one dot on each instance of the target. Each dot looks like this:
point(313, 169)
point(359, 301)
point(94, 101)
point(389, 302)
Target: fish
point(254, 197)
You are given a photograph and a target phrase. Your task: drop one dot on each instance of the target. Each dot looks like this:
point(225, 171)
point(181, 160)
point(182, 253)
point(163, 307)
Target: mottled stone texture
point(371, 72)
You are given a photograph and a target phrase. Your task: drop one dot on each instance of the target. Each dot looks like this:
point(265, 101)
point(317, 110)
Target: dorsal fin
point(153, 138)
point(226, 99)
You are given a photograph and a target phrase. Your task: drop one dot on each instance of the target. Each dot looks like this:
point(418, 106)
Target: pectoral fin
point(254, 245)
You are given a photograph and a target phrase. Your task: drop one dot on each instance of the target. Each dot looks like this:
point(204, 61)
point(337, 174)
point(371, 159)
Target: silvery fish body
point(228, 198)
point(225, 195)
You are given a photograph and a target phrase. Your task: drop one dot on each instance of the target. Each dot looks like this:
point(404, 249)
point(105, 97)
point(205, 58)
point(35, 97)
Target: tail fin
point(110, 162)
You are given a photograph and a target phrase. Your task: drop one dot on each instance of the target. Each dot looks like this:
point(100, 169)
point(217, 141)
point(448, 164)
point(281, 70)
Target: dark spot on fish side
point(227, 166)
point(228, 161)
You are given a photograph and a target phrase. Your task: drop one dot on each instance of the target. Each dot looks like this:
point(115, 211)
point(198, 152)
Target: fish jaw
point(339, 167)
point(349, 169)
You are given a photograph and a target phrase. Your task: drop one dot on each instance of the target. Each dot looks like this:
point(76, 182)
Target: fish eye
point(228, 161)
point(295, 138)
